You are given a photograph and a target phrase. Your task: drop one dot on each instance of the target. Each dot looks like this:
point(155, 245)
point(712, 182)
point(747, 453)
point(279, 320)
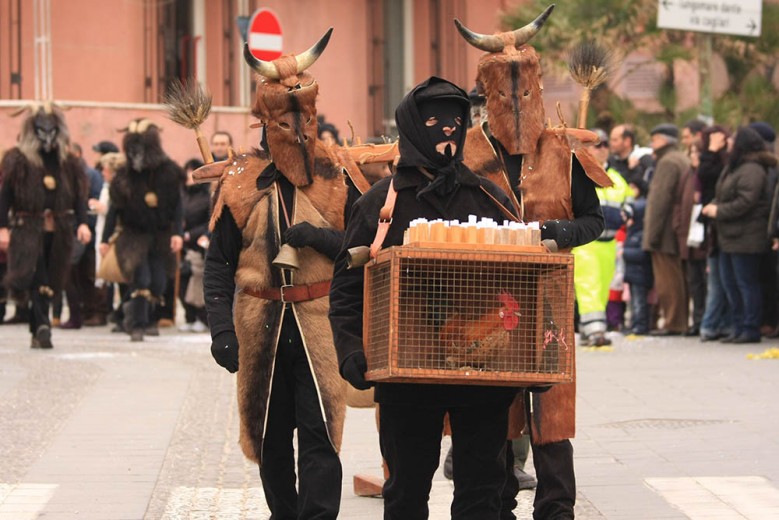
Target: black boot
point(138, 316)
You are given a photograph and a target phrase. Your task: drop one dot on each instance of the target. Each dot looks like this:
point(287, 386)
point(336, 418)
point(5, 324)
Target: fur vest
point(144, 228)
point(546, 194)
point(26, 182)
point(257, 213)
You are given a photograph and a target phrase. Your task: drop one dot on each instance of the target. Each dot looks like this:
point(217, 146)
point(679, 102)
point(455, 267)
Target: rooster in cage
point(475, 341)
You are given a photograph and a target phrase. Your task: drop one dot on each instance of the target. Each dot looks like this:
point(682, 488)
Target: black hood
point(415, 146)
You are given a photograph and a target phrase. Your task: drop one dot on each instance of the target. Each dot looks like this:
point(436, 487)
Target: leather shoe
point(663, 332)
point(71, 324)
point(525, 481)
point(730, 338)
point(692, 331)
point(745, 338)
point(710, 337)
point(95, 321)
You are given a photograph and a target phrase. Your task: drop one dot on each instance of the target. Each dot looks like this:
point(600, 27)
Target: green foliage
point(630, 25)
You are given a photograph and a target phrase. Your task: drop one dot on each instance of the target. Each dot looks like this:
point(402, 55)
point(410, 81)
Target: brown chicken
point(474, 342)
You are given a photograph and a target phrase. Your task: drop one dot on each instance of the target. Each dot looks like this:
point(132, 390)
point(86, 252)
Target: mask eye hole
point(310, 119)
point(458, 121)
point(526, 93)
point(284, 126)
point(431, 121)
point(501, 93)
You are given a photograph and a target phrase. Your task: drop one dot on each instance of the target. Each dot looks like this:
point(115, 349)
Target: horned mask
point(44, 131)
point(510, 76)
point(142, 145)
point(285, 103)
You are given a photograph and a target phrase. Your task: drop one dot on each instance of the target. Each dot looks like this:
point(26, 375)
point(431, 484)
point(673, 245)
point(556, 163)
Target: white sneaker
point(199, 326)
point(187, 327)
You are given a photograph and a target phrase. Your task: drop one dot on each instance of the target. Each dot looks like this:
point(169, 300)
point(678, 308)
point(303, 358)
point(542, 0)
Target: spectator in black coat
point(197, 213)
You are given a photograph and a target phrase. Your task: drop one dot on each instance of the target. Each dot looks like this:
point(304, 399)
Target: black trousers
point(80, 288)
point(410, 438)
point(41, 302)
point(556, 489)
point(149, 275)
point(191, 313)
point(294, 403)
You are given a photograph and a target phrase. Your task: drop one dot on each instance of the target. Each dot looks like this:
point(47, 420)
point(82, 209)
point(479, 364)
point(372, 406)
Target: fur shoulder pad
point(237, 188)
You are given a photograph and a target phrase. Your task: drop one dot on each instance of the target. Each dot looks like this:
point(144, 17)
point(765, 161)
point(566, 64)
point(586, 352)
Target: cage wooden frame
point(383, 319)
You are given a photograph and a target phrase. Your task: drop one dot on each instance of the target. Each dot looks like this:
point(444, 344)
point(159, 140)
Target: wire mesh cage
point(498, 315)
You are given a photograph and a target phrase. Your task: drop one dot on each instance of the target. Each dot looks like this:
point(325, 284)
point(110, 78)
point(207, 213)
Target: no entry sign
point(264, 35)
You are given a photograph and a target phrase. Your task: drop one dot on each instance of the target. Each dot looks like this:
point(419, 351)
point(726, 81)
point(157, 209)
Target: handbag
point(697, 231)
point(109, 269)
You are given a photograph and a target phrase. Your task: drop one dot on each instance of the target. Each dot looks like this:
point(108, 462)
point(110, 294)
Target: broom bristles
point(187, 104)
point(590, 64)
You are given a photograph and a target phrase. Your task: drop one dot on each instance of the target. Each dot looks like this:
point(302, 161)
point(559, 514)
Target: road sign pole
point(704, 75)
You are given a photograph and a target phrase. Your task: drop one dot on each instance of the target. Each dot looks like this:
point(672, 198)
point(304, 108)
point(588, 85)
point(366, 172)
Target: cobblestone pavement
point(101, 428)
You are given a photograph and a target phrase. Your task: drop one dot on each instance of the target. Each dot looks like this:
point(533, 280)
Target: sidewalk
point(101, 428)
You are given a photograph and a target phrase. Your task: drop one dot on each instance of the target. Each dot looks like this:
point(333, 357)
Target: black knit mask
point(444, 124)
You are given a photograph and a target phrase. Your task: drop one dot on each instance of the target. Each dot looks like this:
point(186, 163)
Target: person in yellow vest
point(595, 262)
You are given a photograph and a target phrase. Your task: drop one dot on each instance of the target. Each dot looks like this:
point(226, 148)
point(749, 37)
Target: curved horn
point(494, 43)
point(524, 34)
point(485, 42)
point(306, 59)
point(263, 68)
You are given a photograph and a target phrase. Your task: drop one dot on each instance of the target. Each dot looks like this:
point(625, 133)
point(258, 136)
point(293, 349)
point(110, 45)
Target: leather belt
point(292, 293)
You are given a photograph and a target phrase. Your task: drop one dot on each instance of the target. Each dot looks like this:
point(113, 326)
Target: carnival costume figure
point(269, 322)
point(42, 201)
point(146, 214)
point(551, 178)
point(431, 182)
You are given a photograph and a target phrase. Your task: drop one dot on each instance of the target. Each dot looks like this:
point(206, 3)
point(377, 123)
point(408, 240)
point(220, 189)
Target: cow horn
point(306, 59)
point(494, 43)
point(263, 68)
point(485, 42)
point(524, 34)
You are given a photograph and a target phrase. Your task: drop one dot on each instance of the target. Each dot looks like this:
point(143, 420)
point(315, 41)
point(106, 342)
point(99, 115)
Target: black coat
point(638, 263)
point(346, 293)
point(197, 212)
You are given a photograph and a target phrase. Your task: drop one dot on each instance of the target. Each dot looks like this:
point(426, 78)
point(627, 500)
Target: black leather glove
point(353, 370)
point(561, 231)
point(224, 348)
point(326, 241)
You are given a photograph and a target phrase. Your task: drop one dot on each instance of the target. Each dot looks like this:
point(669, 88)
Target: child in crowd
point(638, 263)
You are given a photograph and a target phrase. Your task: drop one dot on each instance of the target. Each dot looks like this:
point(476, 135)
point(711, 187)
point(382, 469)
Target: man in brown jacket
point(663, 215)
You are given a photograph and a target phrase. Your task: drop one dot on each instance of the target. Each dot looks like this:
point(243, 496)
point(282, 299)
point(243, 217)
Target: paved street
point(101, 428)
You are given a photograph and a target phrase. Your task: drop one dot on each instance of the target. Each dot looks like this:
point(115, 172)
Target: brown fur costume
point(23, 172)
point(510, 77)
point(257, 321)
point(143, 227)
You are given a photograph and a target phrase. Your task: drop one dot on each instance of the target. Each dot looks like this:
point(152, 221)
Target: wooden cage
point(491, 315)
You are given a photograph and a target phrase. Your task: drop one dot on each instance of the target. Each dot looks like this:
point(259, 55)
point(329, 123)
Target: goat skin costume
point(247, 189)
point(543, 173)
point(25, 179)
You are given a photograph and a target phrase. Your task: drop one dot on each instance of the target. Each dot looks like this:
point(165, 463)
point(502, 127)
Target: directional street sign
point(739, 17)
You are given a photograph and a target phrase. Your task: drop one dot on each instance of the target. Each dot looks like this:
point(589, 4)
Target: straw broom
point(189, 105)
point(590, 65)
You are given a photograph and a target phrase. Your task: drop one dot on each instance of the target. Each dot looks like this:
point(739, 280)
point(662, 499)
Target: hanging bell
point(287, 258)
point(50, 182)
point(150, 199)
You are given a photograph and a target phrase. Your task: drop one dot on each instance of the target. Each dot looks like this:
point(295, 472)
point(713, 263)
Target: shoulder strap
point(503, 209)
point(385, 219)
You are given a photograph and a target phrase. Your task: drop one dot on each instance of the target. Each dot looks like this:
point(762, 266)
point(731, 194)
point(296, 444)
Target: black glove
point(353, 370)
point(326, 241)
point(224, 348)
point(561, 231)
